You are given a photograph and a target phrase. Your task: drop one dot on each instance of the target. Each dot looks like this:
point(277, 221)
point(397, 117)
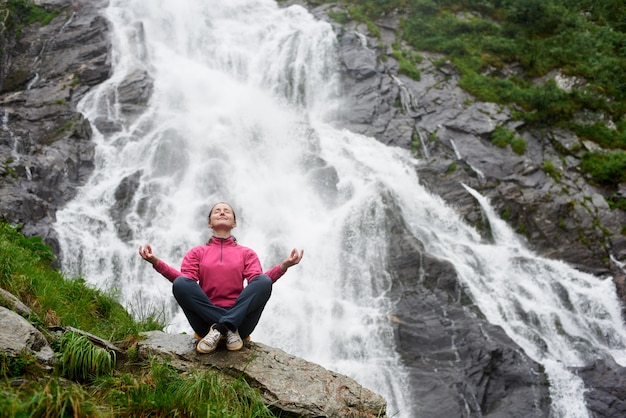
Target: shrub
point(502, 137)
point(607, 168)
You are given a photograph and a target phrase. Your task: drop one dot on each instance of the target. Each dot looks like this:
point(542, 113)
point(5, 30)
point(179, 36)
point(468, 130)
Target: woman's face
point(222, 217)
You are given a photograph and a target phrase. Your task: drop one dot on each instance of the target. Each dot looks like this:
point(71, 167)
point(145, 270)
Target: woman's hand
point(293, 259)
point(147, 254)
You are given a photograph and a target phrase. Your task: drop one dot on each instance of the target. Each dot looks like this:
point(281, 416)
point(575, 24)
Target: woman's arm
point(160, 266)
point(278, 270)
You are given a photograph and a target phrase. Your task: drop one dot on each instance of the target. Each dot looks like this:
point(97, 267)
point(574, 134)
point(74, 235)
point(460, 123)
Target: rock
point(459, 364)
point(606, 397)
point(19, 336)
point(45, 143)
point(289, 385)
point(9, 301)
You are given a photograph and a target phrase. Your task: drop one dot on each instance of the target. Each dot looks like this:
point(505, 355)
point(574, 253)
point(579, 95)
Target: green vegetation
point(25, 272)
point(87, 381)
point(503, 48)
point(406, 62)
point(550, 169)
point(605, 167)
point(16, 14)
point(154, 390)
point(502, 137)
point(80, 360)
point(8, 170)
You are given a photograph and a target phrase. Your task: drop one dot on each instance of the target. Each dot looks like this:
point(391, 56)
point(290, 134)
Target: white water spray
point(243, 93)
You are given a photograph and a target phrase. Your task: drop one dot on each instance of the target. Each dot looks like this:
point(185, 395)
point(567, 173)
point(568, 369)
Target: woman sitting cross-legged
point(210, 285)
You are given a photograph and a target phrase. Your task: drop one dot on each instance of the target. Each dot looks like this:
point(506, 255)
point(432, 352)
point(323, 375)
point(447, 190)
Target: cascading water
point(244, 93)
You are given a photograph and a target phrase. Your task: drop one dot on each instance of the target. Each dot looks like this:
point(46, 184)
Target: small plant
point(162, 391)
point(406, 63)
point(501, 137)
point(339, 17)
point(415, 142)
point(8, 169)
point(617, 202)
point(518, 145)
point(81, 360)
point(550, 169)
point(506, 213)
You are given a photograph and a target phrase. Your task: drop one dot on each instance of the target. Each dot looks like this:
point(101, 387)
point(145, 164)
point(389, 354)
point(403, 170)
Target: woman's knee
point(181, 284)
point(262, 283)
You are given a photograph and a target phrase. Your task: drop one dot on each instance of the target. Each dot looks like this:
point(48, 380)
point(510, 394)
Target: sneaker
point(233, 341)
point(209, 343)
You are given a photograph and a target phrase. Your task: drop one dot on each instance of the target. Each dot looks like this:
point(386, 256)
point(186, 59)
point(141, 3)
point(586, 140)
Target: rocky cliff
point(46, 154)
point(45, 143)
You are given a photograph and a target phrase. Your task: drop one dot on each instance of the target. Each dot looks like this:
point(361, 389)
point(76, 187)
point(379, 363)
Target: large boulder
point(292, 386)
point(18, 337)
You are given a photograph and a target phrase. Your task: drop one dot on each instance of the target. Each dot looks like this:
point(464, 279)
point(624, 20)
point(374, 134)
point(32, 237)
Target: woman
point(209, 288)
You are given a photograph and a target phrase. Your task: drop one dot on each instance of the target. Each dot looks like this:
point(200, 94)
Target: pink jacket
point(219, 267)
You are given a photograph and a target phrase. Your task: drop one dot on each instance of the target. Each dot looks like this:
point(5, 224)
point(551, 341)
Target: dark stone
point(606, 397)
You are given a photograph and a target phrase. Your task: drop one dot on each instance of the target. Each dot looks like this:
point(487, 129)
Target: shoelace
point(232, 337)
point(212, 337)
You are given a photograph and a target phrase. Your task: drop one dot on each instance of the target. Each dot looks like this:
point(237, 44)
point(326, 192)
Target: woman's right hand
point(147, 254)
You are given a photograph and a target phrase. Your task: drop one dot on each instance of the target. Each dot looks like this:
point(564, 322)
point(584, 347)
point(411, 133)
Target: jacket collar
point(223, 241)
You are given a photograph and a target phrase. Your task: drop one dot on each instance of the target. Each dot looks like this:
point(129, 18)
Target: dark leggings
point(244, 315)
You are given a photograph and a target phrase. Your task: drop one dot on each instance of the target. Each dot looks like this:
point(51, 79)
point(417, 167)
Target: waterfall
point(241, 111)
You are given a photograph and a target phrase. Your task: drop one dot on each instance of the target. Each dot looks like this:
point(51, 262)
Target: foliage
point(406, 62)
point(502, 137)
point(25, 271)
point(58, 399)
point(603, 135)
point(501, 45)
point(550, 169)
point(17, 14)
point(13, 366)
point(606, 168)
point(82, 361)
point(339, 17)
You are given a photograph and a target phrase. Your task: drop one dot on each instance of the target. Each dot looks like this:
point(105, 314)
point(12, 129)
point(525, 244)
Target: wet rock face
point(46, 150)
point(458, 363)
point(607, 396)
point(557, 210)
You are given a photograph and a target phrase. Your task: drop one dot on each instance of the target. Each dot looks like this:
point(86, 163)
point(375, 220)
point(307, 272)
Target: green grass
point(88, 381)
point(25, 271)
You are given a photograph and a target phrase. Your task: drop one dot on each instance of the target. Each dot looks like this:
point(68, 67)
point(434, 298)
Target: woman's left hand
point(293, 259)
